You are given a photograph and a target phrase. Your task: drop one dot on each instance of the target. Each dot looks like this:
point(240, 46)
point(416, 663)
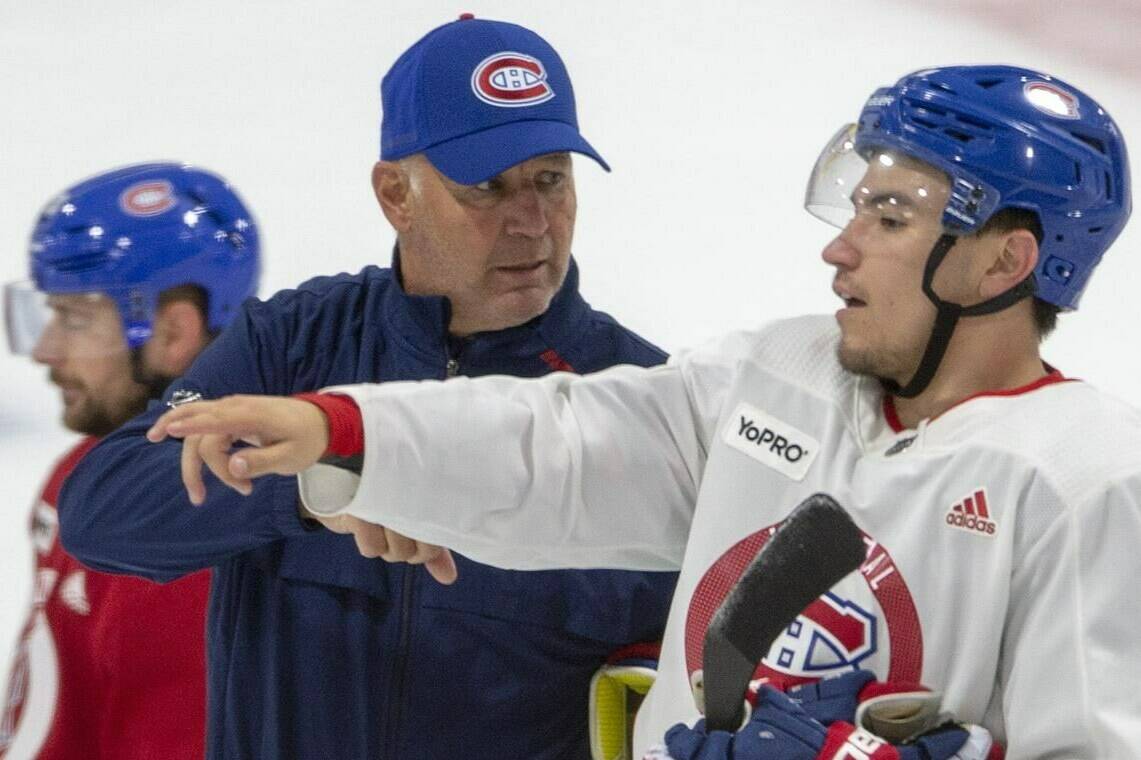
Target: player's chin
point(78, 418)
point(855, 358)
point(90, 418)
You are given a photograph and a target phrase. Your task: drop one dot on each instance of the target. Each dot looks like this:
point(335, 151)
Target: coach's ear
point(392, 184)
point(179, 336)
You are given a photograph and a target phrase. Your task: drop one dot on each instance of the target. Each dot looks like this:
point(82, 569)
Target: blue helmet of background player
point(1005, 137)
point(999, 138)
point(133, 233)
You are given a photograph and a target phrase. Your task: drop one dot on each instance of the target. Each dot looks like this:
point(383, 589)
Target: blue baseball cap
point(477, 97)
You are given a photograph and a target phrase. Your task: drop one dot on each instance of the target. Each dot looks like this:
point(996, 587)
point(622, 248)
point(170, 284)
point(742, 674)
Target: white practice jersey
point(1003, 537)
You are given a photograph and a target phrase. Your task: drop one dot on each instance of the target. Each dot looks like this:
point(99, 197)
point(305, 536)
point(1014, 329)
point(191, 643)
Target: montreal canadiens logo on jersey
point(867, 617)
point(832, 633)
point(770, 441)
point(511, 80)
point(1051, 99)
point(147, 198)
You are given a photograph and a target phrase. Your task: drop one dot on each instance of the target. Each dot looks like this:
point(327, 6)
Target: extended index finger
point(228, 416)
point(161, 428)
point(157, 431)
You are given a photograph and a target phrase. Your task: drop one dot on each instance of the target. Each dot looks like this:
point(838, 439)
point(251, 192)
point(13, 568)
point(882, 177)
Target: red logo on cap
point(147, 198)
point(510, 80)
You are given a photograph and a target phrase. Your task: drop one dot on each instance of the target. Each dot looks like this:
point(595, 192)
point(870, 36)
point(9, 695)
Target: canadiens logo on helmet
point(1051, 99)
point(511, 80)
point(149, 198)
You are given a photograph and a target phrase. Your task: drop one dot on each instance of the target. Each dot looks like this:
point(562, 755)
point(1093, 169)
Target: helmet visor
point(884, 185)
point(26, 315)
point(61, 325)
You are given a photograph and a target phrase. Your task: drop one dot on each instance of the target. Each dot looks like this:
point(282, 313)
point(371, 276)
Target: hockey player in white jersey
point(1000, 500)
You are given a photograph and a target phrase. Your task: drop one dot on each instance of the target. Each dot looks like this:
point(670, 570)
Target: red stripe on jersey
point(1054, 376)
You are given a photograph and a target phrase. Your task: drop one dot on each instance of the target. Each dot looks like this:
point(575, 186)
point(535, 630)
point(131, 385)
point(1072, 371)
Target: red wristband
point(346, 429)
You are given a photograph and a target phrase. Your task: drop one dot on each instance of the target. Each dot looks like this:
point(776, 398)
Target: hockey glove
point(892, 710)
point(616, 691)
point(779, 729)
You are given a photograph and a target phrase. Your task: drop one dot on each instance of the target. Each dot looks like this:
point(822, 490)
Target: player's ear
point(1015, 259)
point(180, 334)
point(392, 184)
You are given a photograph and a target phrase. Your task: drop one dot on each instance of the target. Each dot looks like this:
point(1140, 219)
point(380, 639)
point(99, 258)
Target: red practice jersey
point(107, 666)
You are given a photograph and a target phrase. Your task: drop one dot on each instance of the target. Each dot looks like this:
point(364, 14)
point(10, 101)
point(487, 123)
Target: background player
point(477, 180)
point(133, 272)
point(999, 499)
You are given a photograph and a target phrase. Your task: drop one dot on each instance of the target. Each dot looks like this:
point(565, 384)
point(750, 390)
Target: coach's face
point(498, 250)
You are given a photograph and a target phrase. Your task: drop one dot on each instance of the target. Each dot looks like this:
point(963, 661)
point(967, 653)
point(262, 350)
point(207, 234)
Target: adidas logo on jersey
point(973, 514)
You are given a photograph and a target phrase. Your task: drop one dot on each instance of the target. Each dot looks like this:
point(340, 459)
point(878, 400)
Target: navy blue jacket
point(317, 652)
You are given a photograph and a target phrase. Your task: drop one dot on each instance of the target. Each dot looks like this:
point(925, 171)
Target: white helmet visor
point(61, 325)
point(890, 186)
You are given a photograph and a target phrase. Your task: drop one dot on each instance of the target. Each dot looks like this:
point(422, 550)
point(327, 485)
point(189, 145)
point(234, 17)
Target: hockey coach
point(315, 651)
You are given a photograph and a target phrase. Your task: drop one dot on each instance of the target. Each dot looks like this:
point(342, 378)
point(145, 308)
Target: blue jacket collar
point(423, 320)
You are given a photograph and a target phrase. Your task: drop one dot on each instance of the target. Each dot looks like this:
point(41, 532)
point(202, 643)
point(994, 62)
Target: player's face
point(879, 259)
point(498, 250)
point(84, 347)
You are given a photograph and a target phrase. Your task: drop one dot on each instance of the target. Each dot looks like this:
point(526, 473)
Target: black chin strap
point(947, 316)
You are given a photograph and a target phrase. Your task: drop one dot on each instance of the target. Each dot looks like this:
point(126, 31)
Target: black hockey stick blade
point(815, 547)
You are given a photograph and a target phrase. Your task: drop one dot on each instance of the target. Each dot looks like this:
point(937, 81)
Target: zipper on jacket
point(402, 653)
point(453, 349)
point(403, 650)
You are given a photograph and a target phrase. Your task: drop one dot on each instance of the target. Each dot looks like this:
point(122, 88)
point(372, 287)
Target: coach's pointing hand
point(288, 435)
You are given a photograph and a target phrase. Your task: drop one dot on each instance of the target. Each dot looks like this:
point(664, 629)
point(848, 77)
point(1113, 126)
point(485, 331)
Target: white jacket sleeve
point(561, 471)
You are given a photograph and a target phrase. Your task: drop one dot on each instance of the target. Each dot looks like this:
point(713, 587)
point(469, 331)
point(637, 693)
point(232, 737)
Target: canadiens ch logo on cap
point(1051, 99)
point(510, 80)
point(147, 198)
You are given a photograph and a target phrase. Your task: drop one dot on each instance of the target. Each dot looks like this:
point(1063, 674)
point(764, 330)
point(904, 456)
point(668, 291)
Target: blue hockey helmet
point(135, 232)
point(1008, 137)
